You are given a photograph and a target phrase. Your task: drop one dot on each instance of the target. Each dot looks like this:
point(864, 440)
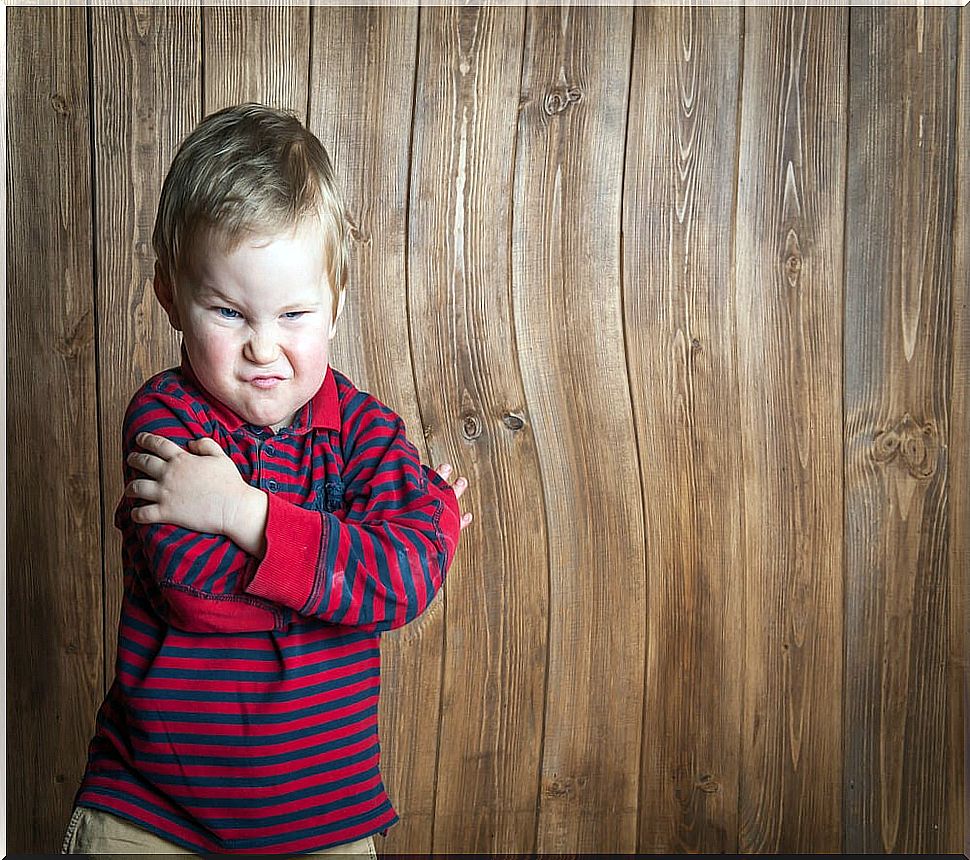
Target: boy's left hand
point(197, 487)
point(459, 487)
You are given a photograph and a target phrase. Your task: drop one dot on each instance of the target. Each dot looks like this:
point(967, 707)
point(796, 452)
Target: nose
point(262, 346)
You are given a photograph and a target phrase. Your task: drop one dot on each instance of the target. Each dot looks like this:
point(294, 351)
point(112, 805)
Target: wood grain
point(698, 333)
point(53, 573)
point(897, 386)
point(958, 495)
point(256, 53)
point(145, 65)
point(569, 329)
point(678, 302)
point(465, 356)
point(788, 251)
point(958, 663)
point(361, 108)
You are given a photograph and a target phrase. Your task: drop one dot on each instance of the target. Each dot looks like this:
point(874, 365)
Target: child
point(275, 520)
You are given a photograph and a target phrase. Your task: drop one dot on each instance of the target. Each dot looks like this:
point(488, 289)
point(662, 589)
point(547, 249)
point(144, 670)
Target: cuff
point(289, 567)
point(448, 518)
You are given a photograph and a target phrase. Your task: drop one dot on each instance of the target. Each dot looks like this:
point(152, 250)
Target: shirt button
point(272, 486)
point(270, 450)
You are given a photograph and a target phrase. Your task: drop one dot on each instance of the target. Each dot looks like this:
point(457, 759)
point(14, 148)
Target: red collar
point(321, 412)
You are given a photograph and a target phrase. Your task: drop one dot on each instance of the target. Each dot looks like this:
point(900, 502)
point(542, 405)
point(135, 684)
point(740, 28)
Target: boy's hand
point(459, 487)
point(197, 487)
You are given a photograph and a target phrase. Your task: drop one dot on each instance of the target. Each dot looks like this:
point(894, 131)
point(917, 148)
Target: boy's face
point(256, 322)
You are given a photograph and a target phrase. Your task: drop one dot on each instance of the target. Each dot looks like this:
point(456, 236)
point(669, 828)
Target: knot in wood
point(559, 787)
point(916, 446)
point(793, 268)
point(358, 236)
point(560, 98)
point(59, 103)
point(695, 345)
point(513, 421)
point(471, 426)
point(708, 784)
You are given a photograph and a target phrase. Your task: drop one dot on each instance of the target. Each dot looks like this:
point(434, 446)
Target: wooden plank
point(680, 338)
point(54, 576)
point(958, 662)
point(256, 53)
point(567, 300)
point(465, 356)
point(146, 85)
point(788, 252)
point(361, 109)
point(897, 387)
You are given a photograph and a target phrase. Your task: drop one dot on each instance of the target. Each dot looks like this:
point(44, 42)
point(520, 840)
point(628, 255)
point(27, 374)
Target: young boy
point(275, 520)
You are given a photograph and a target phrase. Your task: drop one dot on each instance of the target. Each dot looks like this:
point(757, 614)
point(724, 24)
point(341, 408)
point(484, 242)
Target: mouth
point(266, 381)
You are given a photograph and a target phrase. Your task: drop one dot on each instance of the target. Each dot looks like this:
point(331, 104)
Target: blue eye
point(228, 313)
point(293, 315)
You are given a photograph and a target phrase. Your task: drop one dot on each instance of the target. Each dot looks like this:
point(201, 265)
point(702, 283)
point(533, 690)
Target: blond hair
point(249, 171)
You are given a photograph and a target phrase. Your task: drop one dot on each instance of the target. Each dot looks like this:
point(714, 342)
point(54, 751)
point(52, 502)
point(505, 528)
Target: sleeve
point(194, 581)
point(380, 566)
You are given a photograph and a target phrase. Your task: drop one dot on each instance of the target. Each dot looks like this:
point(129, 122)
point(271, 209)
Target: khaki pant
point(92, 831)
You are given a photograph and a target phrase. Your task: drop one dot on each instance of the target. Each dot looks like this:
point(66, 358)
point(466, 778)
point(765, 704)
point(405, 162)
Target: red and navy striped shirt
point(243, 713)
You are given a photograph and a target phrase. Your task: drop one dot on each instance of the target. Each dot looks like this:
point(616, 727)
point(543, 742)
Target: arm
point(375, 568)
point(194, 579)
point(381, 565)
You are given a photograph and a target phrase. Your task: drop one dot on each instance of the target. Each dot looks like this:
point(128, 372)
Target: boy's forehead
point(215, 242)
point(224, 240)
point(207, 261)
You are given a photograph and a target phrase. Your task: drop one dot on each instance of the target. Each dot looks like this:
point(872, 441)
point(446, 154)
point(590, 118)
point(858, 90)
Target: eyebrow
point(206, 291)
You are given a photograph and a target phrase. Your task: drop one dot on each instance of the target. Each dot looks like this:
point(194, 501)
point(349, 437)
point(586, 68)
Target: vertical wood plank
point(679, 319)
point(145, 63)
point(256, 53)
point(569, 327)
point(54, 576)
point(897, 384)
point(789, 241)
point(362, 94)
point(466, 356)
point(958, 662)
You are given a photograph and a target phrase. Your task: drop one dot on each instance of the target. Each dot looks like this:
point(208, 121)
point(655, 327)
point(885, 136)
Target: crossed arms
point(216, 554)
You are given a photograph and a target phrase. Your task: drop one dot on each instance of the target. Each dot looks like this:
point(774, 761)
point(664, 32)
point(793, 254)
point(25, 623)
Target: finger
point(158, 445)
point(152, 466)
point(143, 489)
point(466, 520)
point(444, 470)
point(205, 446)
point(460, 486)
point(146, 514)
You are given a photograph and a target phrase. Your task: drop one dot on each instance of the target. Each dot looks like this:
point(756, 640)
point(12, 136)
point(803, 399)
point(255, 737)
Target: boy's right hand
point(459, 486)
point(197, 487)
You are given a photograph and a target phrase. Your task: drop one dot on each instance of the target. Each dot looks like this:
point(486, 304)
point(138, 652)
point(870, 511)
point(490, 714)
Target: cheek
point(312, 350)
point(215, 348)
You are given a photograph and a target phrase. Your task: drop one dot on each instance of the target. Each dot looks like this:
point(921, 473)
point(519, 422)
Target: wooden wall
point(683, 291)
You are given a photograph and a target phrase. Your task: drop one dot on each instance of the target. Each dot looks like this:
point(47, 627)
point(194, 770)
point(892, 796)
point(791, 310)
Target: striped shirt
point(243, 713)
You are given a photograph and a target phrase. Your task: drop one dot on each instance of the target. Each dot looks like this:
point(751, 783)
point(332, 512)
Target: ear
point(166, 297)
point(340, 308)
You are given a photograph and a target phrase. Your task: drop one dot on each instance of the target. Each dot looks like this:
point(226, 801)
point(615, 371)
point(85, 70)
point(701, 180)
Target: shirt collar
point(321, 412)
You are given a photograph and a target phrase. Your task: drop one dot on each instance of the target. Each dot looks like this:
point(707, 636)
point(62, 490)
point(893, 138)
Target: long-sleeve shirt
point(243, 713)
